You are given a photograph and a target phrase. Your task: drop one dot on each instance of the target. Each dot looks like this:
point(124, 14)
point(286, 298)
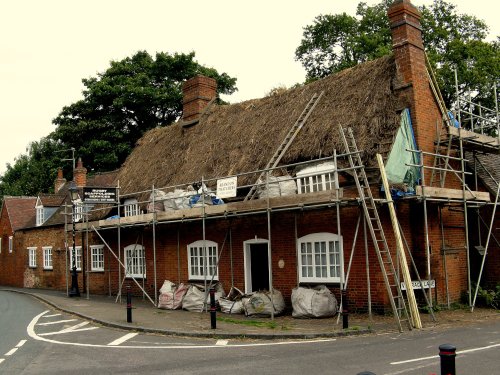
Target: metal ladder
point(391, 279)
point(283, 147)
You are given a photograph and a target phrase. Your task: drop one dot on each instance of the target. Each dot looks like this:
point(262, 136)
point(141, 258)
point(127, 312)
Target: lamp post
point(73, 194)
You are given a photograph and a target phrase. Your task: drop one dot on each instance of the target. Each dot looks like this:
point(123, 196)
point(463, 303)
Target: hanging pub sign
point(226, 187)
point(99, 195)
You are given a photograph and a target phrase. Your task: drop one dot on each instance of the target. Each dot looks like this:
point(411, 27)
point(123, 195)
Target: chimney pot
point(59, 181)
point(197, 93)
point(80, 174)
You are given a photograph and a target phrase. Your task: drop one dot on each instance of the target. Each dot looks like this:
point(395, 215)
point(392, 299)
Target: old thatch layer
point(242, 137)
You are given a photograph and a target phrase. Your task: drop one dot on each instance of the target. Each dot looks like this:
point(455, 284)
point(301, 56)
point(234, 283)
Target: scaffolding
point(449, 159)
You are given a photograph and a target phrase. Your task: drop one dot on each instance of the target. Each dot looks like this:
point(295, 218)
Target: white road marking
point(58, 322)
point(411, 369)
point(64, 331)
point(31, 332)
point(437, 356)
point(21, 343)
point(11, 351)
point(221, 342)
point(51, 316)
point(1, 360)
point(75, 328)
point(122, 339)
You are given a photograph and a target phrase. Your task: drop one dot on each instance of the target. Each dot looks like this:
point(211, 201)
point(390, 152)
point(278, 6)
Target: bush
point(489, 297)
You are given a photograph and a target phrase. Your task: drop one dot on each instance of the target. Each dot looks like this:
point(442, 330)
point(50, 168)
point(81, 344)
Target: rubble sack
point(317, 302)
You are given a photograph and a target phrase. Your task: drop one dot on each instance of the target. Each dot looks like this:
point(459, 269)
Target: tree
point(119, 105)
point(452, 40)
point(33, 172)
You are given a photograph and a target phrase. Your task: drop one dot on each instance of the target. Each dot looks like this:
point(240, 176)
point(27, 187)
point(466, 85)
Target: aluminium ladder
point(391, 279)
point(283, 147)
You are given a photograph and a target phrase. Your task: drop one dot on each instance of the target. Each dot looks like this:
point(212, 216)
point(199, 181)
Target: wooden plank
point(446, 193)
point(476, 137)
point(415, 315)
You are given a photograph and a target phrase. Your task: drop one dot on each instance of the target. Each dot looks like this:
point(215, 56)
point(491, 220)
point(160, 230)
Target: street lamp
point(73, 194)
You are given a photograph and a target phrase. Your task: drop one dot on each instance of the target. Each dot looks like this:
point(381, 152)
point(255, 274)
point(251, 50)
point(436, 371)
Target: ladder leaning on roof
point(391, 279)
point(292, 133)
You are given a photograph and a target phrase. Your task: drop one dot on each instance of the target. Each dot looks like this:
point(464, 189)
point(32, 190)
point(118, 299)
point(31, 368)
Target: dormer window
point(40, 215)
point(315, 178)
point(131, 207)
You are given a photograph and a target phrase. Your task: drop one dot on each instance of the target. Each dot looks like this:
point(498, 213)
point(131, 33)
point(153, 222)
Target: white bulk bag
point(194, 300)
point(259, 303)
point(318, 302)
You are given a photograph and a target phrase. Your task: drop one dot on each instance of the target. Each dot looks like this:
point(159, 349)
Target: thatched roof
point(242, 137)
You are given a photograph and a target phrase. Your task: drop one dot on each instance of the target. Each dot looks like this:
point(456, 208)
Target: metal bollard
point(213, 312)
point(345, 310)
point(129, 305)
point(447, 352)
point(366, 373)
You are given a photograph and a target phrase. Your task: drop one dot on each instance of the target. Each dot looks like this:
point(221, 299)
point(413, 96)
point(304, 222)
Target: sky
point(47, 47)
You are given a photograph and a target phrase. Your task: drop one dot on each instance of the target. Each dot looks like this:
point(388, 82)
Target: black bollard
point(366, 373)
point(213, 312)
point(447, 352)
point(345, 310)
point(129, 305)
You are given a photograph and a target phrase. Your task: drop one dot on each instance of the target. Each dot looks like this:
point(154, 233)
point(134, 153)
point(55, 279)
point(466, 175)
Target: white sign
point(226, 187)
point(416, 284)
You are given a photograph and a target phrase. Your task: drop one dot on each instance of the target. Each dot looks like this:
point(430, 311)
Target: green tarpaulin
point(398, 171)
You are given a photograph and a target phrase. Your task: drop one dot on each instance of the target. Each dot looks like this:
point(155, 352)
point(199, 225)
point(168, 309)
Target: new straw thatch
point(242, 137)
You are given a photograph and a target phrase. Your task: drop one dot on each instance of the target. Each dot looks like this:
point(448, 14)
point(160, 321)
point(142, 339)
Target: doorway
point(256, 265)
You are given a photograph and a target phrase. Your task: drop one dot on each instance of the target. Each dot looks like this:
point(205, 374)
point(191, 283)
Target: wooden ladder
point(391, 279)
point(283, 147)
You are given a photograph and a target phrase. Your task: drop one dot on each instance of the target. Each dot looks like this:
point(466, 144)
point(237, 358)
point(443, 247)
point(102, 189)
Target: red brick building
point(163, 228)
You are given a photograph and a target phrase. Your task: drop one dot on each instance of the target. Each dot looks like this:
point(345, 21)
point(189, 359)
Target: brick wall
point(197, 92)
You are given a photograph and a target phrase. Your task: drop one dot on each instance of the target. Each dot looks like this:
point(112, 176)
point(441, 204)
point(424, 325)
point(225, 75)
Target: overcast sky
point(48, 46)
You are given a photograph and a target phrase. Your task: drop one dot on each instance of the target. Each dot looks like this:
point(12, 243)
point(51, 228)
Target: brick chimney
point(59, 181)
point(409, 53)
point(197, 92)
point(80, 174)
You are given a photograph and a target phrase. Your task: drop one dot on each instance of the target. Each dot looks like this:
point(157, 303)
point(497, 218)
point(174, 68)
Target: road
point(36, 339)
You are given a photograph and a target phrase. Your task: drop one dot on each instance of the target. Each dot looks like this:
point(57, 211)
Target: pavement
point(108, 311)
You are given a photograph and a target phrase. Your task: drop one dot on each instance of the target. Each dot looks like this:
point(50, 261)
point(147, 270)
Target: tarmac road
point(48, 341)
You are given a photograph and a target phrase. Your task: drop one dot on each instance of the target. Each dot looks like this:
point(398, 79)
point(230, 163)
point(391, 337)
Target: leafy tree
point(452, 40)
point(33, 172)
point(132, 96)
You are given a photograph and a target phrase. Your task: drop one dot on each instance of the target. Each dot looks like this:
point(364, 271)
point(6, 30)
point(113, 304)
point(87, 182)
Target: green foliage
point(119, 105)
point(33, 172)
point(132, 96)
point(452, 40)
point(489, 297)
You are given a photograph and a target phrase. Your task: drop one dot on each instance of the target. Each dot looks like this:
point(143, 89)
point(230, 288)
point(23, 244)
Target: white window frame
point(97, 257)
point(32, 257)
point(135, 261)
point(131, 207)
point(78, 204)
point(40, 215)
point(320, 258)
point(11, 243)
point(47, 257)
point(78, 251)
point(196, 255)
point(317, 178)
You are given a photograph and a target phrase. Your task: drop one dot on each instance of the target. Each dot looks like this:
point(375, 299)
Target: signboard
point(226, 187)
point(416, 284)
point(99, 195)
